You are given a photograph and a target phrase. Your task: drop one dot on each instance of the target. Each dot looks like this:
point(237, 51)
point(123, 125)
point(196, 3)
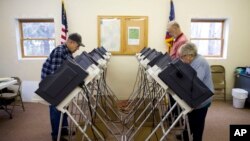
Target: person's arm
point(204, 74)
point(200, 72)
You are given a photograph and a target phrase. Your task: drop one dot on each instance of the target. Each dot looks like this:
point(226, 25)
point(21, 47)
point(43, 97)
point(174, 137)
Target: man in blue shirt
point(53, 62)
point(188, 54)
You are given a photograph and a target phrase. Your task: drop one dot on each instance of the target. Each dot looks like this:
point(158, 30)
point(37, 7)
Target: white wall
point(82, 18)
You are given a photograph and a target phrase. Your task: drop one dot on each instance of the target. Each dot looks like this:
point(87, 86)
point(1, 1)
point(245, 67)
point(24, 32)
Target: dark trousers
point(197, 122)
point(55, 120)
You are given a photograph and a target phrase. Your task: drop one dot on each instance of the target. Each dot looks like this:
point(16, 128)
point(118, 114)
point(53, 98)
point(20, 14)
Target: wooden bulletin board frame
point(123, 35)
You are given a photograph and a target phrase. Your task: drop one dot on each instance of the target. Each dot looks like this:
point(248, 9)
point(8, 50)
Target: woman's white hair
point(188, 49)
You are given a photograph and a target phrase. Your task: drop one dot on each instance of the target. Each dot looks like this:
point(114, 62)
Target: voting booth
point(79, 89)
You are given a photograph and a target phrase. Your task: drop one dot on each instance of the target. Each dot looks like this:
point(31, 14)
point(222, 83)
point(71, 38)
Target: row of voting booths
point(79, 89)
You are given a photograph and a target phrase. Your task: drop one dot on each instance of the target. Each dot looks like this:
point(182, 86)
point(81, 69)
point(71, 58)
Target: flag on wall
point(64, 29)
point(168, 38)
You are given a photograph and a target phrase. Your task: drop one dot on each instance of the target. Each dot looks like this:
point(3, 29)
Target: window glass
point(38, 47)
point(208, 47)
point(37, 37)
point(206, 30)
point(208, 36)
point(38, 30)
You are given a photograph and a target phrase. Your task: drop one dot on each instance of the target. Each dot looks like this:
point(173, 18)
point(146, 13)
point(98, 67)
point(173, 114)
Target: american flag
point(168, 38)
point(64, 25)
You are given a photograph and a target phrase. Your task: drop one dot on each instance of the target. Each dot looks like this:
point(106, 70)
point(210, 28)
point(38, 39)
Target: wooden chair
point(219, 80)
point(11, 96)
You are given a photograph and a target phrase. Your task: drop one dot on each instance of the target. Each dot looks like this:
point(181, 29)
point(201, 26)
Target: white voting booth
point(91, 105)
point(161, 91)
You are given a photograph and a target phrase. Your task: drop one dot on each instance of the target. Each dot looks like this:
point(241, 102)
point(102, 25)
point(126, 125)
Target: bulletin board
point(123, 35)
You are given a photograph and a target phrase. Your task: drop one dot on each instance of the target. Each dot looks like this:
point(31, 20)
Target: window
point(208, 35)
point(37, 37)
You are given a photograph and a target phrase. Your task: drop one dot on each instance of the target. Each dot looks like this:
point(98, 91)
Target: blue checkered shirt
point(55, 60)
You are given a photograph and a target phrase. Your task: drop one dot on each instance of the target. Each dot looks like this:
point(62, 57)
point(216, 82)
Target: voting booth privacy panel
point(183, 80)
point(55, 87)
point(158, 76)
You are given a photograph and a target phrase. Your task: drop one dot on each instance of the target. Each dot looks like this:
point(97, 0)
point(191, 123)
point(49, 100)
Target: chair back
point(219, 79)
point(218, 76)
point(19, 83)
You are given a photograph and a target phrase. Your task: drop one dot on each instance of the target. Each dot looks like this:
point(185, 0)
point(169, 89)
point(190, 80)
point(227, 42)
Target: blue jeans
point(55, 120)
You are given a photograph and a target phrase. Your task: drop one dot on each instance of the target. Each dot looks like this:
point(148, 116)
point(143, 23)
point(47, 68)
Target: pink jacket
point(180, 40)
